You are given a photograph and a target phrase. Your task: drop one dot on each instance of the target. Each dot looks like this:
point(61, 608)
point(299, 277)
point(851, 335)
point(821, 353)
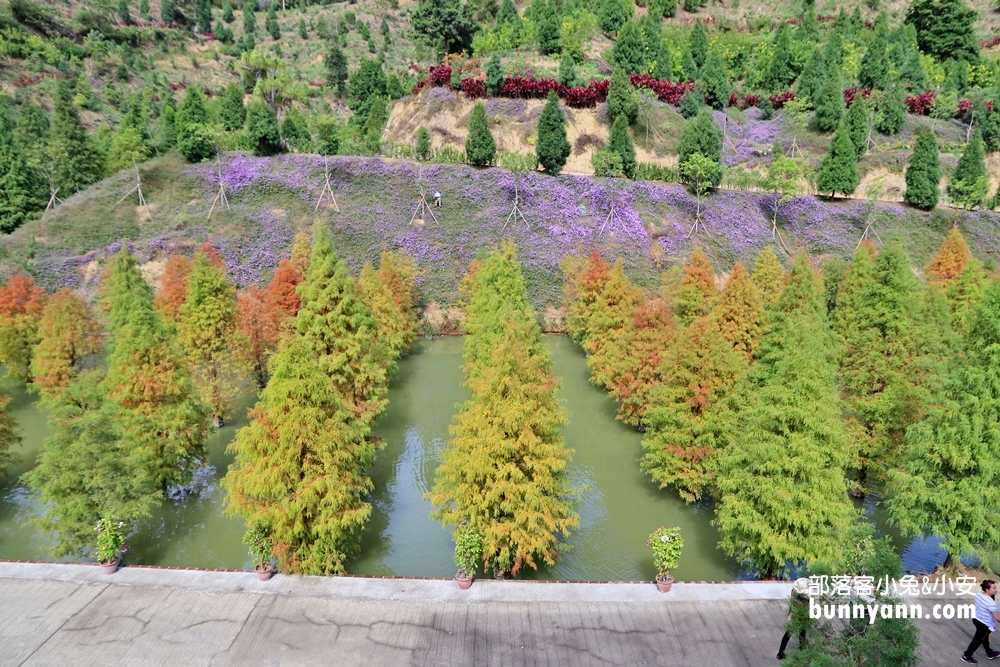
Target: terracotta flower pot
point(110, 566)
point(463, 581)
point(663, 582)
point(264, 573)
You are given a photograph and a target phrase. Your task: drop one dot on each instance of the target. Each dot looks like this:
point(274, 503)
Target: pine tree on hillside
point(67, 333)
point(950, 459)
point(194, 137)
point(696, 294)
point(335, 63)
point(830, 102)
point(153, 402)
point(783, 495)
point(701, 135)
point(620, 142)
point(168, 11)
point(507, 15)
point(923, 173)
point(687, 64)
point(890, 112)
point(838, 172)
point(21, 307)
point(227, 11)
point(623, 100)
point(144, 10)
point(552, 147)
point(810, 82)
point(204, 11)
point(874, 70)
point(208, 333)
point(262, 129)
point(75, 159)
point(503, 471)
point(271, 23)
point(945, 29)
point(629, 51)
point(780, 72)
point(480, 147)
point(495, 75)
point(232, 113)
point(768, 276)
point(740, 312)
point(249, 20)
point(566, 75)
point(856, 122)
point(17, 196)
point(611, 15)
point(717, 87)
point(969, 184)
point(698, 42)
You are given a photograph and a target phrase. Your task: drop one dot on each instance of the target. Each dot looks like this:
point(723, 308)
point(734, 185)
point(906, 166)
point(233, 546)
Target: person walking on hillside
point(987, 615)
point(798, 615)
point(437, 199)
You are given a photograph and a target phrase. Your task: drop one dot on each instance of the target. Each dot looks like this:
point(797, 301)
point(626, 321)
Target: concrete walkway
point(73, 615)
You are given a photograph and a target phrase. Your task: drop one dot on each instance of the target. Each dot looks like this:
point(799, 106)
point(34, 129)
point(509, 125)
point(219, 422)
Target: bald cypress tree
point(582, 286)
point(503, 472)
point(959, 276)
point(153, 402)
point(21, 307)
point(768, 276)
point(950, 459)
point(740, 312)
point(67, 334)
point(697, 291)
point(782, 490)
point(208, 332)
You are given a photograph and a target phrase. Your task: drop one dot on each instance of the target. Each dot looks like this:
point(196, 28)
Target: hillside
point(272, 198)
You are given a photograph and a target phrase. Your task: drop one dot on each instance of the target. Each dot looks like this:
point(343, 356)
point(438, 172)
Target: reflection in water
point(618, 505)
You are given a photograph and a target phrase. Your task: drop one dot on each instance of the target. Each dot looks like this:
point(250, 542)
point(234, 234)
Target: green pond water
point(618, 508)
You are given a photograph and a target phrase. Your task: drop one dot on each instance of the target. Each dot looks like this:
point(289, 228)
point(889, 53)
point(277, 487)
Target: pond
point(618, 506)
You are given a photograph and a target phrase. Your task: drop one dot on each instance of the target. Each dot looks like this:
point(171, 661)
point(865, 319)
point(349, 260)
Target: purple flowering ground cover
point(272, 198)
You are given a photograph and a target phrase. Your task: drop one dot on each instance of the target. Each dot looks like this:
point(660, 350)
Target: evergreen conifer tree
point(621, 143)
point(552, 147)
point(890, 111)
point(17, 197)
point(716, 82)
point(75, 158)
point(810, 82)
point(480, 147)
point(923, 172)
point(271, 23)
point(194, 138)
point(838, 172)
point(249, 20)
point(232, 113)
point(622, 97)
point(781, 70)
point(969, 183)
point(208, 333)
point(495, 75)
point(945, 29)
point(227, 11)
point(153, 403)
point(688, 65)
point(856, 125)
point(547, 31)
point(423, 150)
point(698, 42)
point(691, 103)
point(67, 333)
point(167, 11)
point(611, 15)
point(336, 69)
point(507, 15)
point(262, 129)
point(629, 51)
point(830, 103)
point(912, 73)
point(144, 10)
point(949, 458)
point(566, 75)
point(783, 496)
point(123, 13)
point(204, 10)
point(701, 135)
point(874, 69)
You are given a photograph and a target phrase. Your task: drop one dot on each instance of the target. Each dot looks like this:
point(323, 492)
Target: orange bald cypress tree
point(256, 322)
point(173, 287)
point(582, 285)
point(697, 291)
point(21, 305)
point(959, 275)
point(67, 333)
point(740, 313)
point(688, 421)
point(281, 293)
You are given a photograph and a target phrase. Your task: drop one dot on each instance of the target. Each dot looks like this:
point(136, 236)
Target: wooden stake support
point(137, 188)
point(516, 210)
point(327, 188)
point(221, 194)
point(422, 208)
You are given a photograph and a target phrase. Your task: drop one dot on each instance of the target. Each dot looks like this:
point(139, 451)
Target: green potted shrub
point(667, 545)
point(468, 551)
point(110, 543)
point(260, 545)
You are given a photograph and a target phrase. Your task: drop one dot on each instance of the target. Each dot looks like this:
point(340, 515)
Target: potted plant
point(110, 544)
point(468, 551)
point(667, 545)
point(259, 542)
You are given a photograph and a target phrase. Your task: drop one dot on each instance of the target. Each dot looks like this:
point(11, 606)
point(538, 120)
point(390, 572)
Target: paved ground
point(73, 615)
